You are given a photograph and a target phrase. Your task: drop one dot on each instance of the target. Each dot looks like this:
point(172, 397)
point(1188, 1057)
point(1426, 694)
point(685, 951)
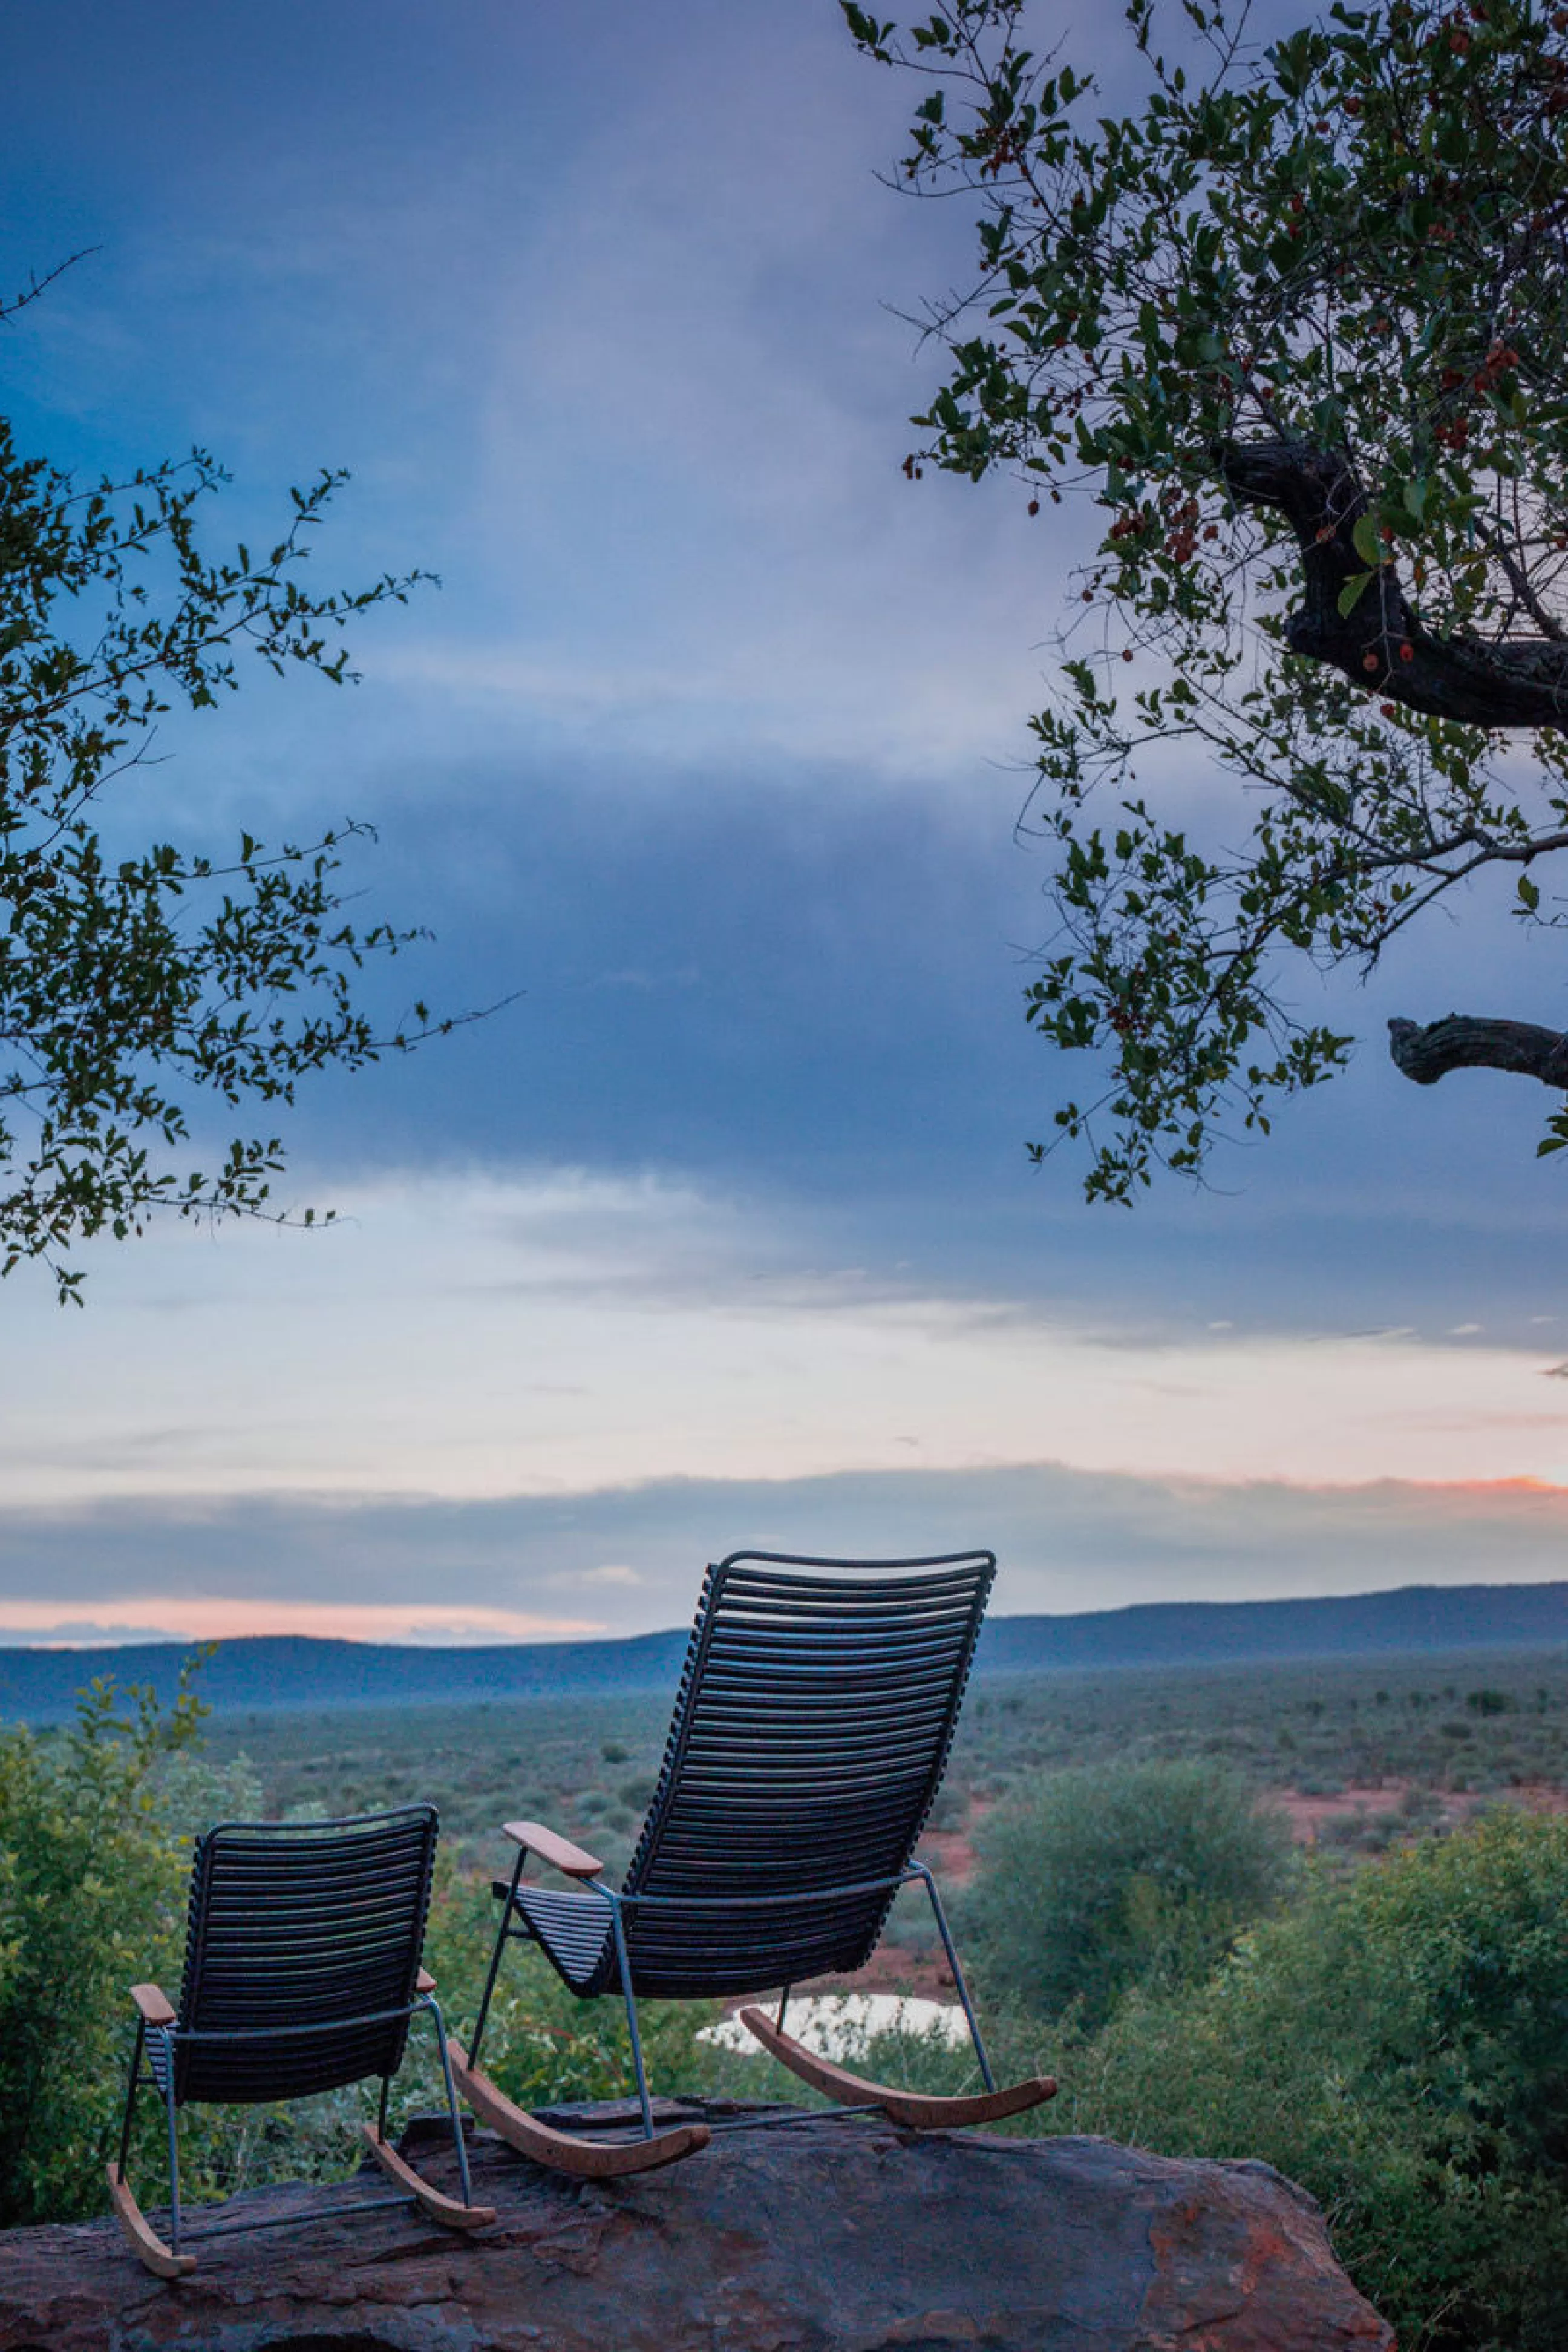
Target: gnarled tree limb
point(1463, 1041)
point(1382, 646)
point(1380, 643)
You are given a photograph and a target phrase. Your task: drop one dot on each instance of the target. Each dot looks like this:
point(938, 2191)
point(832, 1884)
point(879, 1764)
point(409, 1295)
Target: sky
point(709, 751)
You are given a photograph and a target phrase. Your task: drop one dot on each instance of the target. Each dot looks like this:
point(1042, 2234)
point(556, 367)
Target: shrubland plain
point(1314, 1912)
point(1358, 1750)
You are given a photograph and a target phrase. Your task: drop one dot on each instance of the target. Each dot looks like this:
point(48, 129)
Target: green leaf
point(1351, 594)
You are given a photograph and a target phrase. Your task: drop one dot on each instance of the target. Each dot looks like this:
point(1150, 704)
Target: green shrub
point(92, 1889)
point(1096, 1879)
point(1397, 2042)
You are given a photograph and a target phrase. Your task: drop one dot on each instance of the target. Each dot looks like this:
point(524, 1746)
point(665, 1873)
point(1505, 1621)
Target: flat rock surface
point(845, 2236)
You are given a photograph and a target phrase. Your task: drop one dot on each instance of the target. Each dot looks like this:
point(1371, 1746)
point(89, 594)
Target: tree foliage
point(138, 982)
point(1296, 325)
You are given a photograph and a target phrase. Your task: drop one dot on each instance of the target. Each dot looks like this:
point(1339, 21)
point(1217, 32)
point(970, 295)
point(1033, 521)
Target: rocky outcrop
point(847, 2236)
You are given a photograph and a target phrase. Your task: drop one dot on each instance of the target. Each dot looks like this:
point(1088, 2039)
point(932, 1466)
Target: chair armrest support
point(156, 2007)
point(559, 1852)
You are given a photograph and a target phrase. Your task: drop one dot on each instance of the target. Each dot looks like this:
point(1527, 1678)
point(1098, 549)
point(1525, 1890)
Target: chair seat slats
point(816, 1709)
point(787, 1646)
point(304, 1928)
point(807, 1679)
point(781, 1618)
point(739, 1772)
point(773, 1575)
point(778, 1732)
point(782, 1628)
point(753, 1668)
point(851, 1734)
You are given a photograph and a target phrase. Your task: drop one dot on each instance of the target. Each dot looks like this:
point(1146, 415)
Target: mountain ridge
point(290, 1671)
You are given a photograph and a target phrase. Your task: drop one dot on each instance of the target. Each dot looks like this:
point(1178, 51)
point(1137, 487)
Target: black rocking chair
point(815, 1714)
point(302, 1971)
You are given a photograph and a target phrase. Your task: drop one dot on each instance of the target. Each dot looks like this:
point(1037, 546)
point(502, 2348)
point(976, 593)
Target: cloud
point(1066, 1541)
point(560, 1332)
point(82, 1633)
point(198, 1616)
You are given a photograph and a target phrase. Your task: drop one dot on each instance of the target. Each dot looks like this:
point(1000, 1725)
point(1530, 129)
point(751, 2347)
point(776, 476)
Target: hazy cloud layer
point(563, 1332)
point(1066, 1541)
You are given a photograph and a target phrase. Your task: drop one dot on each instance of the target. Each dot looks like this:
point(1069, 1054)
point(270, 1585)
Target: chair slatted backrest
point(301, 1924)
point(816, 1711)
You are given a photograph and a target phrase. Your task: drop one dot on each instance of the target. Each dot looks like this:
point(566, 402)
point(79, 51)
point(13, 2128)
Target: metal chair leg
point(624, 1965)
point(962, 1988)
point(172, 2115)
point(502, 1937)
point(133, 2086)
point(452, 2107)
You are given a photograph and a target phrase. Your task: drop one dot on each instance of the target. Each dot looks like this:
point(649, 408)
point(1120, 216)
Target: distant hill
point(1413, 1618)
point(295, 1671)
point(289, 1671)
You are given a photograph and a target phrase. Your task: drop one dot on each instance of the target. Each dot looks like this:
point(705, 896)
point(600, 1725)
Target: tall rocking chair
point(816, 1710)
point(302, 1973)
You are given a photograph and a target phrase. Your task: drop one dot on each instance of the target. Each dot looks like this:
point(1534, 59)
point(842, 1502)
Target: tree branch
point(1518, 579)
point(1463, 1041)
point(1520, 682)
point(11, 304)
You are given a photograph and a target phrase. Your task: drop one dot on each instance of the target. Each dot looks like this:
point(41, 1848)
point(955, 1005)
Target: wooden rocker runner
point(301, 1974)
point(816, 1712)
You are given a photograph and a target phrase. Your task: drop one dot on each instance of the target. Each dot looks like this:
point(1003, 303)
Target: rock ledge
point(848, 2237)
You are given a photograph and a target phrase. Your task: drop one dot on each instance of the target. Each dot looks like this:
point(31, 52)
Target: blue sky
point(711, 745)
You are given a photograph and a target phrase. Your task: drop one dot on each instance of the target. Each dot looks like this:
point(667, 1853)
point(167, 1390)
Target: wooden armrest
point(559, 1852)
point(156, 2007)
point(425, 1982)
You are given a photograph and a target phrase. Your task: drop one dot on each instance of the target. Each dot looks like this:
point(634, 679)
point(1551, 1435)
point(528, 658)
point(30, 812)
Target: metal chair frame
point(158, 2046)
point(873, 1656)
point(915, 1874)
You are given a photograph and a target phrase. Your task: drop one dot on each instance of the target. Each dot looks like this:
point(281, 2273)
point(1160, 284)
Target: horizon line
point(544, 1634)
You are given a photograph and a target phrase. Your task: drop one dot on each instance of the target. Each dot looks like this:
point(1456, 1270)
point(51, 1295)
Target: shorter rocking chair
point(816, 1710)
point(302, 1973)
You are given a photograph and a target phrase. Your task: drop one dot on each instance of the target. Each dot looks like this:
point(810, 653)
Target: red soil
point(951, 1855)
point(1307, 1814)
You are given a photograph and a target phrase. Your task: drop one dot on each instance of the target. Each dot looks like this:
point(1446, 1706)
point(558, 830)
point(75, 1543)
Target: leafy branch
point(136, 987)
point(1295, 327)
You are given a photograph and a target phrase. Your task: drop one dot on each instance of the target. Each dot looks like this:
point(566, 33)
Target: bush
point(93, 1896)
point(1096, 1879)
point(1397, 2042)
